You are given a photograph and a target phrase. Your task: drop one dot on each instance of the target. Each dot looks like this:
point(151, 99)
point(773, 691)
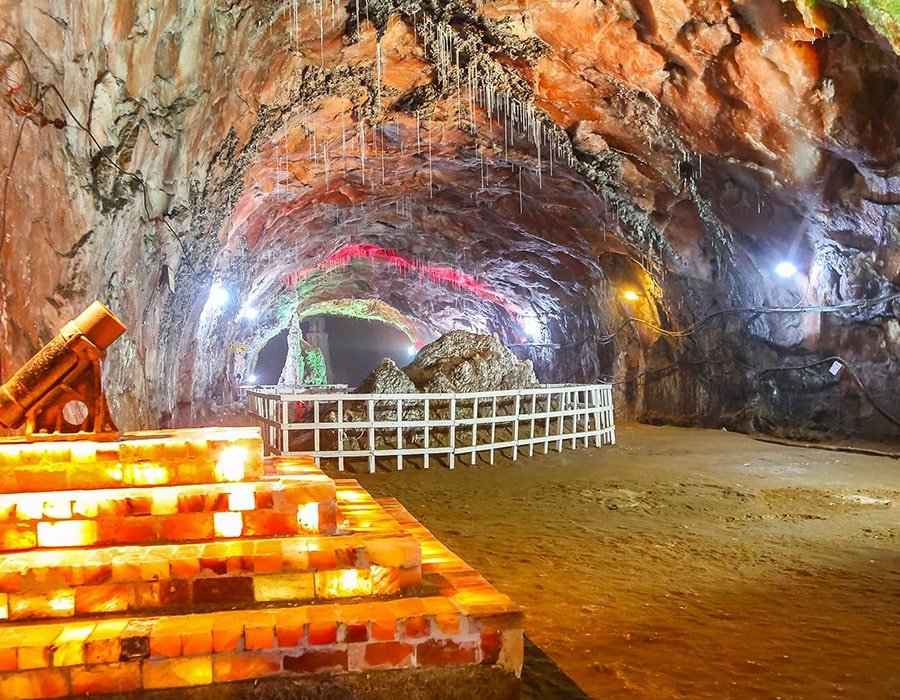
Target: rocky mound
point(458, 361)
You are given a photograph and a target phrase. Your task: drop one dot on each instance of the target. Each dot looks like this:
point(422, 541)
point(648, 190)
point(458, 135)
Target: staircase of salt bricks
point(186, 560)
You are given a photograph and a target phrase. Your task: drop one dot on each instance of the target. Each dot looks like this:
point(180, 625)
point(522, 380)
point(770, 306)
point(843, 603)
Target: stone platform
point(161, 562)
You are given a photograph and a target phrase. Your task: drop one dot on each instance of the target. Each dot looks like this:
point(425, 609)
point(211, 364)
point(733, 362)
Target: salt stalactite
point(343, 145)
point(430, 168)
point(521, 205)
point(362, 147)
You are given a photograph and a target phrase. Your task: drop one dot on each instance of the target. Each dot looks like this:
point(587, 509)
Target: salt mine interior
point(629, 270)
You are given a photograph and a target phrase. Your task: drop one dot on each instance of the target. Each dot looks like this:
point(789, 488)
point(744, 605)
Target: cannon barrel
point(61, 361)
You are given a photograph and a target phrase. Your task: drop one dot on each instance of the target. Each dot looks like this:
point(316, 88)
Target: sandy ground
point(684, 563)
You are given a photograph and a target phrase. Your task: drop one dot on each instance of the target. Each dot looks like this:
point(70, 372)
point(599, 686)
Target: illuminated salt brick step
point(245, 573)
point(277, 505)
point(151, 458)
point(470, 623)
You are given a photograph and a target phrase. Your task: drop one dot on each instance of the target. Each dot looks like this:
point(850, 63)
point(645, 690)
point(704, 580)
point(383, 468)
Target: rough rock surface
point(460, 361)
point(387, 378)
point(685, 148)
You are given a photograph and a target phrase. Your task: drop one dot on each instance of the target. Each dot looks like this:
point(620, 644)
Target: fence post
point(517, 405)
point(453, 431)
point(493, 425)
point(285, 419)
point(598, 430)
point(371, 404)
point(531, 435)
point(474, 428)
point(427, 433)
point(400, 434)
point(317, 444)
point(340, 434)
point(561, 423)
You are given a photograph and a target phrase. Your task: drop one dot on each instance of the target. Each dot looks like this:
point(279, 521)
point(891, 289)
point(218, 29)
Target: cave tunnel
point(698, 203)
point(527, 187)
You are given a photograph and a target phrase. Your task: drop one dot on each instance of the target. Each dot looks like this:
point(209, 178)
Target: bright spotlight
point(251, 379)
point(532, 328)
point(785, 269)
point(411, 351)
point(218, 296)
point(631, 295)
point(249, 312)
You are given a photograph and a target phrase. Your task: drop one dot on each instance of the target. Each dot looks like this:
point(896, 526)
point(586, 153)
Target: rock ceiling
point(500, 166)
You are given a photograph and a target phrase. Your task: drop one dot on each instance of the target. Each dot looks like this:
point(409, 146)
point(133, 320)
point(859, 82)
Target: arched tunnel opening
point(694, 205)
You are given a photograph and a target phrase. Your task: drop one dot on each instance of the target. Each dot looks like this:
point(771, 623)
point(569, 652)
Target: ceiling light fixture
point(785, 269)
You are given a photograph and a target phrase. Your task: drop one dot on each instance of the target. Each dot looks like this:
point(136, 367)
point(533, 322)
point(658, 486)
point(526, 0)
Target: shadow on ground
point(542, 678)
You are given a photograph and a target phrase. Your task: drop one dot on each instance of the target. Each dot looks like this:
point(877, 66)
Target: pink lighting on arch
point(442, 275)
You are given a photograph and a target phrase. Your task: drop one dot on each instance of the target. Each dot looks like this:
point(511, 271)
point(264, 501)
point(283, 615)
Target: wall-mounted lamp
point(631, 295)
point(218, 296)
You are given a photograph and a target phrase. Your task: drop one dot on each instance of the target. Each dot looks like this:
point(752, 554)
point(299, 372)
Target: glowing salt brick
point(284, 587)
point(147, 594)
point(154, 569)
point(322, 559)
point(103, 645)
point(308, 517)
point(185, 564)
point(188, 526)
point(384, 628)
point(414, 627)
point(145, 474)
point(231, 464)
point(259, 631)
point(323, 628)
point(34, 646)
point(9, 658)
point(228, 628)
point(85, 506)
point(10, 581)
point(108, 678)
point(135, 640)
point(228, 524)
point(4, 606)
point(164, 503)
point(444, 652)
point(242, 667)
point(387, 655)
point(103, 599)
point(83, 452)
point(268, 522)
point(196, 635)
point(30, 507)
point(126, 531)
point(59, 509)
point(343, 583)
point(317, 662)
point(180, 672)
point(17, 536)
point(293, 557)
point(242, 497)
point(59, 603)
point(394, 552)
point(233, 590)
point(45, 683)
point(290, 628)
point(385, 581)
point(490, 646)
point(165, 637)
point(68, 647)
point(125, 569)
point(267, 562)
point(67, 533)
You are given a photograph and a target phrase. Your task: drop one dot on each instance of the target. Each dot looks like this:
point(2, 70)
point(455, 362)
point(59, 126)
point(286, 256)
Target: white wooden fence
point(342, 426)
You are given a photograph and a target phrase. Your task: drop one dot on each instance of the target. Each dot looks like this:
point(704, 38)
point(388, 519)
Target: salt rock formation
point(458, 361)
point(387, 378)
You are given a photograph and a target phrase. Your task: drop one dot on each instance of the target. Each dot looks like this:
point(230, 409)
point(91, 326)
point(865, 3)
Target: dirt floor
point(684, 563)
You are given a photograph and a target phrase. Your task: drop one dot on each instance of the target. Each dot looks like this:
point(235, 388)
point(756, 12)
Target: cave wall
point(480, 165)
